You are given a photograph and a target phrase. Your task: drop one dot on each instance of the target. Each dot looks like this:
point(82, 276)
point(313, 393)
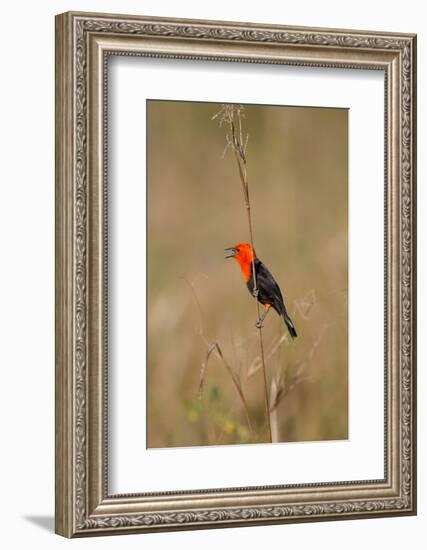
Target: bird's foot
point(255, 293)
point(259, 324)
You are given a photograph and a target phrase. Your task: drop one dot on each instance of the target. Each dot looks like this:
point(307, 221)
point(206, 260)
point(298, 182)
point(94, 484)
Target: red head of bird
point(244, 254)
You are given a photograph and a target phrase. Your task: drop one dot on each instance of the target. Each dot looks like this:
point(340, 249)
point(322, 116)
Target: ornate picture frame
point(84, 42)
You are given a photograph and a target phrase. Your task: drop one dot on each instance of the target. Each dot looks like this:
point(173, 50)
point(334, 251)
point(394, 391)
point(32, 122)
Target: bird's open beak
point(233, 252)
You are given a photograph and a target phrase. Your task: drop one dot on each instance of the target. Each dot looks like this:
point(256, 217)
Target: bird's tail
point(290, 325)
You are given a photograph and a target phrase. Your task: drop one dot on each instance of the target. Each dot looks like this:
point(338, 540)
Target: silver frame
point(83, 43)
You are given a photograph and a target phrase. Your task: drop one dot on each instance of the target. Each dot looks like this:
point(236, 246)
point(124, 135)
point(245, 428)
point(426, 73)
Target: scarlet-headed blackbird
point(268, 292)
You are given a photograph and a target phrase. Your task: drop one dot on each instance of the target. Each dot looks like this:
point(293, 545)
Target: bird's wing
point(267, 283)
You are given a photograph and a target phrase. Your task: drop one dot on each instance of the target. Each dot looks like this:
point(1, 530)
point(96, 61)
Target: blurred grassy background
point(297, 166)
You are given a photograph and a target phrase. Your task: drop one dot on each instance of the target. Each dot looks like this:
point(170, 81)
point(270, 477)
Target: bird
point(267, 291)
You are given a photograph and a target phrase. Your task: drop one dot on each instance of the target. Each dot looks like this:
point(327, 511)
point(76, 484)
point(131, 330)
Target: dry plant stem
point(240, 156)
point(213, 347)
point(273, 412)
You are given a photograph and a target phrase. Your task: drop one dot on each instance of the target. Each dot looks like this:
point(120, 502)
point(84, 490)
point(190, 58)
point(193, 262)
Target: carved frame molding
point(83, 44)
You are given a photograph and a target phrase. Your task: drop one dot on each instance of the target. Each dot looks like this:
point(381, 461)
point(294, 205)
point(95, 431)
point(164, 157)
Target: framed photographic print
point(235, 274)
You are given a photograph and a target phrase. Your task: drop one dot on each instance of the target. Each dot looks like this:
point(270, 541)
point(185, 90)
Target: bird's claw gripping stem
point(255, 293)
point(263, 316)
